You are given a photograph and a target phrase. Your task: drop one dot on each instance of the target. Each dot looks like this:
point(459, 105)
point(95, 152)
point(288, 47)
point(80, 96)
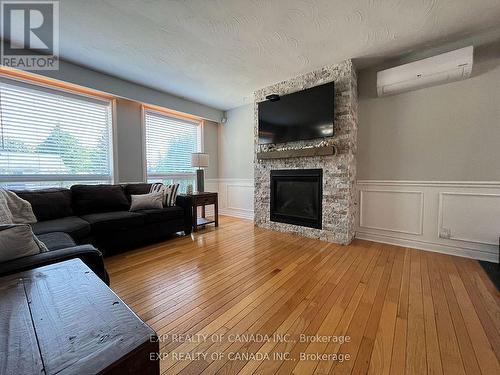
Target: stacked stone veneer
point(339, 171)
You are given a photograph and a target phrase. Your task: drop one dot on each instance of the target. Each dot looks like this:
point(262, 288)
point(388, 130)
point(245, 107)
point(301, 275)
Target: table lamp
point(199, 160)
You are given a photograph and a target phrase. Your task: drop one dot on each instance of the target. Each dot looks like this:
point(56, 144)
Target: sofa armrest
point(87, 253)
point(185, 202)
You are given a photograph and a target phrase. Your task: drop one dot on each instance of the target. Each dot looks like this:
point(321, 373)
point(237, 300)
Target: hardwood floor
point(398, 310)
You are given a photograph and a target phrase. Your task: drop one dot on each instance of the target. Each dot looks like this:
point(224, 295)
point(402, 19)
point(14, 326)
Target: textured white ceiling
point(217, 52)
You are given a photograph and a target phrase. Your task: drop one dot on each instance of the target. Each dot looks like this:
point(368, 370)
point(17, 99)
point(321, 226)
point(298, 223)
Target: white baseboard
point(451, 217)
point(429, 246)
point(236, 213)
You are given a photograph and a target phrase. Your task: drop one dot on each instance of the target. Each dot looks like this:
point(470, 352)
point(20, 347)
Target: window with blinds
point(170, 141)
point(52, 138)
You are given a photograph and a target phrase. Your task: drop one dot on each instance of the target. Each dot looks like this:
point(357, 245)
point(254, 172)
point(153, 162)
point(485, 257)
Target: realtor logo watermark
point(30, 31)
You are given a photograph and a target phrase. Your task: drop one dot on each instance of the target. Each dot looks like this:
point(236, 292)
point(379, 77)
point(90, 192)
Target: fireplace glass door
point(296, 197)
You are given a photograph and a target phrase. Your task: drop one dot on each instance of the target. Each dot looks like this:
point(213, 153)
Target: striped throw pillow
point(169, 192)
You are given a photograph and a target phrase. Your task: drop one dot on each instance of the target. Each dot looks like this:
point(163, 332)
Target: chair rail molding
point(453, 217)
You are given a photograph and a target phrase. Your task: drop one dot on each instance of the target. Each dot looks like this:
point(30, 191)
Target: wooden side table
point(202, 200)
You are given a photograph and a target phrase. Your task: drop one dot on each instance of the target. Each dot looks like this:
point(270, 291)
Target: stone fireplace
point(288, 196)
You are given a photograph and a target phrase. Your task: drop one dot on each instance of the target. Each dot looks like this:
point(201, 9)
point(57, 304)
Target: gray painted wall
point(236, 144)
point(444, 133)
point(79, 75)
point(128, 143)
point(211, 147)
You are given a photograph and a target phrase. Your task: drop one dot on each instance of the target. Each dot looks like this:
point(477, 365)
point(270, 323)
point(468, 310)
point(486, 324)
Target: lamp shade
point(199, 160)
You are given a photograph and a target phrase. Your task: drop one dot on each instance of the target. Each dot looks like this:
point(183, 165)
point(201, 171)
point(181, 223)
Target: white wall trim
point(479, 184)
point(246, 181)
point(235, 196)
point(429, 246)
point(115, 175)
point(444, 223)
point(236, 213)
point(143, 140)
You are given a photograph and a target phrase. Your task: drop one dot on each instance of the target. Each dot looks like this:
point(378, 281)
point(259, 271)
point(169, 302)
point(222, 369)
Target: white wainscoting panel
point(458, 218)
point(393, 210)
point(235, 196)
point(470, 217)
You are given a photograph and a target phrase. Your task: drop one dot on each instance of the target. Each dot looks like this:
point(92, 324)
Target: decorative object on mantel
point(296, 145)
point(296, 153)
point(199, 160)
point(189, 189)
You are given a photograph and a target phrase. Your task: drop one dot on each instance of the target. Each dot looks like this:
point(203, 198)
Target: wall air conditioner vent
point(447, 67)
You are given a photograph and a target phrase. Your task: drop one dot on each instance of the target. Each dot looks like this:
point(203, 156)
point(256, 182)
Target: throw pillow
point(17, 241)
point(14, 209)
point(169, 193)
point(146, 201)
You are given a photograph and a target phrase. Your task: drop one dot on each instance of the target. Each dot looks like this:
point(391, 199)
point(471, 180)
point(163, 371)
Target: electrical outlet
point(445, 233)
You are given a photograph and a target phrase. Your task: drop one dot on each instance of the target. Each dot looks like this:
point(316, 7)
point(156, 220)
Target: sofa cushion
point(56, 240)
point(114, 221)
point(17, 241)
point(162, 214)
point(48, 204)
point(74, 226)
point(136, 189)
point(89, 199)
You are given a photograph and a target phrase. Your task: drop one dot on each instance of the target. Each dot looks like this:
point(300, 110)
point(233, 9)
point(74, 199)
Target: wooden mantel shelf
point(303, 152)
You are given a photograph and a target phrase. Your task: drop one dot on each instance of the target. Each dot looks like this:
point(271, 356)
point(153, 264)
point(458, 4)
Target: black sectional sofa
point(74, 222)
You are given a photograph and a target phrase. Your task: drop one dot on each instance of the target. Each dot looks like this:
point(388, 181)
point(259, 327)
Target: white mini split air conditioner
point(447, 67)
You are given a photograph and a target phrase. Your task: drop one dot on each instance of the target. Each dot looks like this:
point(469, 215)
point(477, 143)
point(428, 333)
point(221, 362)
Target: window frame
point(166, 113)
point(60, 88)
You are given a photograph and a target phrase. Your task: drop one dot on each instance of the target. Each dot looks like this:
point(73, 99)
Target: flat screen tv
point(302, 115)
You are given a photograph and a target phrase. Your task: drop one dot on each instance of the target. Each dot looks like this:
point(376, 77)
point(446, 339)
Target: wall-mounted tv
point(302, 115)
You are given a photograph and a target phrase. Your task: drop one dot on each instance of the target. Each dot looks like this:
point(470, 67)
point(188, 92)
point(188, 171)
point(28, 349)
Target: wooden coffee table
point(62, 319)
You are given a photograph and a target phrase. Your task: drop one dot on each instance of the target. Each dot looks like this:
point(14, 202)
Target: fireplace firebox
point(296, 197)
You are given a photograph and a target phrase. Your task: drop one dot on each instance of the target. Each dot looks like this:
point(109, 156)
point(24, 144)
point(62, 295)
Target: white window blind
point(52, 138)
point(170, 141)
